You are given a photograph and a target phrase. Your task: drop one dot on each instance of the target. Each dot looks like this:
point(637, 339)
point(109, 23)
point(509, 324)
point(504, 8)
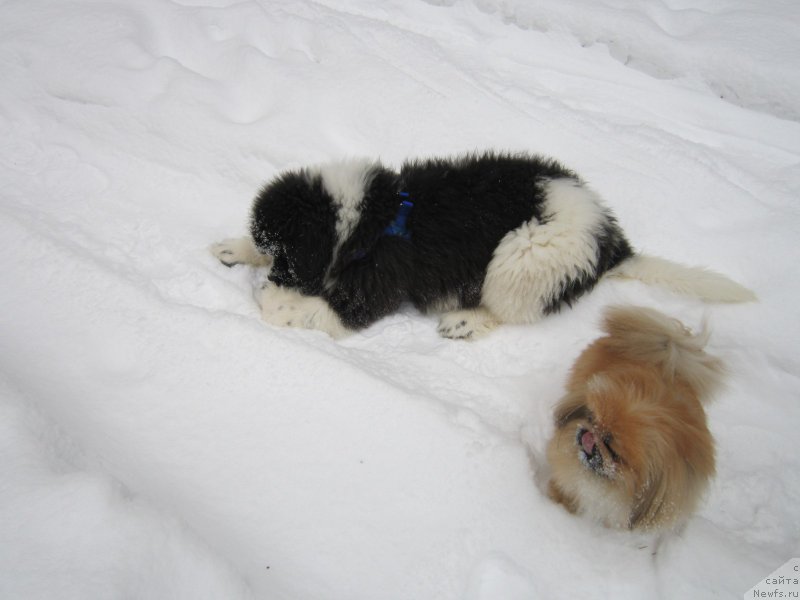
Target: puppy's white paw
point(285, 307)
point(280, 306)
point(469, 324)
point(237, 251)
point(228, 252)
point(289, 315)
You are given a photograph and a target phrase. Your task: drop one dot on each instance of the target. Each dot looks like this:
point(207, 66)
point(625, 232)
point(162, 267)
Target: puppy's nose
point(588, 442)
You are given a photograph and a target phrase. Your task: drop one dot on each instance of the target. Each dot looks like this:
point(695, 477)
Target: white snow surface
point(158, 441)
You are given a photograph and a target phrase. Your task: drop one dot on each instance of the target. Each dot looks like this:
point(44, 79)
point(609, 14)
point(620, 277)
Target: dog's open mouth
point(588, 451)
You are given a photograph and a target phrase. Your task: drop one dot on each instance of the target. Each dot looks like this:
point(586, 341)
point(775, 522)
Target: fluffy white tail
point(688, 281)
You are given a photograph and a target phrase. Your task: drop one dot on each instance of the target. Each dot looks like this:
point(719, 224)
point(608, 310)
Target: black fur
point(293, 221)
point(462, 210)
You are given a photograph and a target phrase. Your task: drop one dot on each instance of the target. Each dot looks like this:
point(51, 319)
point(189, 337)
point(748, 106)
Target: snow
point(158, 441)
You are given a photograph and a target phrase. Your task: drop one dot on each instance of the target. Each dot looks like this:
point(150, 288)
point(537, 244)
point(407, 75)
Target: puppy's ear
point(312, 252)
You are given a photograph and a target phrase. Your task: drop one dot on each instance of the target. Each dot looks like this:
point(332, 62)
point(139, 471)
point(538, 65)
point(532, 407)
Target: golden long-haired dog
point(632, 448)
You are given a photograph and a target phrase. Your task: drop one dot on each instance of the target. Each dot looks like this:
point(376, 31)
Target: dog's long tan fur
point(637, 392)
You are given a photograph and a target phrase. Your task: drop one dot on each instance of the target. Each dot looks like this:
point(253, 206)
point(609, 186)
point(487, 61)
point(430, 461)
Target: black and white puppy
point(482, 239)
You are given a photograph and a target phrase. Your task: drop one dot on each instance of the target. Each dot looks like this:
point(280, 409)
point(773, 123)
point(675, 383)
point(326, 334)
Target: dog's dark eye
point(607, 440)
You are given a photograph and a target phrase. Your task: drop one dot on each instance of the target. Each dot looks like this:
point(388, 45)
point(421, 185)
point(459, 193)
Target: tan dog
point(631, 447)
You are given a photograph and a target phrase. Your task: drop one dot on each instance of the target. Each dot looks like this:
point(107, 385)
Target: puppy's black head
point(294, 221)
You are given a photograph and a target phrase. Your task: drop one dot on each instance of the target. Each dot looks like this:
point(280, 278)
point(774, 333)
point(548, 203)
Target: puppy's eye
point(607, 440)
point(570, 413)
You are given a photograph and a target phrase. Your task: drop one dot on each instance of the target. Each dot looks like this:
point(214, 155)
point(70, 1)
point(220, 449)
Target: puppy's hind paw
point(455, 330)
point(469, 324)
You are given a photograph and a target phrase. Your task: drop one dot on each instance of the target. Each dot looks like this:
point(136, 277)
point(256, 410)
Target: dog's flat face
point(626, 451)
point(598, 453)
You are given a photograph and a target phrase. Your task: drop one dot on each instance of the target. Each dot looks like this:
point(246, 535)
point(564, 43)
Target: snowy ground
point(158, 441)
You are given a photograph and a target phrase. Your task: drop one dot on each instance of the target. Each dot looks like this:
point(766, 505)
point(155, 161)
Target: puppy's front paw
point(282, 307)
point(455, 328)
point(237, 251)
point(287, 315)
point(228, 252)
point(277, 303)
point(468, 324)
point(285, 307)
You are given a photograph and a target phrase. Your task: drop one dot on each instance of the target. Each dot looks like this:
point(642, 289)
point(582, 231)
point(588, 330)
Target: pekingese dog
point(481, 239)
point(632, 449)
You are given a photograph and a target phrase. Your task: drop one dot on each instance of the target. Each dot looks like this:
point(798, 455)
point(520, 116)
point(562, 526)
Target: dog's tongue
point(587, 441)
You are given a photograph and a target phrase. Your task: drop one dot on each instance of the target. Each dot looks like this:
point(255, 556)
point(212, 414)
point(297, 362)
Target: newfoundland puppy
point(482, 239)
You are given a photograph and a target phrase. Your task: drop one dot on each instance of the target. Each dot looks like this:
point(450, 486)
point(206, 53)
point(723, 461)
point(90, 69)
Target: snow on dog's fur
point(483, 239)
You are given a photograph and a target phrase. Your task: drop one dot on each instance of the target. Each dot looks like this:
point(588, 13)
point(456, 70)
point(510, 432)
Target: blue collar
point(397, 227)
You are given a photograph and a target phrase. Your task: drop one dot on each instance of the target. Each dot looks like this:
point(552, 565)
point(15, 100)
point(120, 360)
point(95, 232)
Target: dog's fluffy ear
point(674, 487)
point(646, 335)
